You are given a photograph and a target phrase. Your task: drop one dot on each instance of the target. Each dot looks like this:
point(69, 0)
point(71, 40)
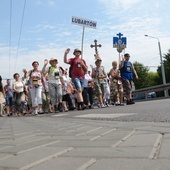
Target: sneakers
point(78, 106)
point(99, 105)
point(81, 106)
point(106, 104)
point(72, 108)
point(117, 103)
point(56, 109)
point(91, 107)
point(40, 111)
point(103, 106)
point(121, 104)
point(35, 112)
point(60, 107)
point(129, 102)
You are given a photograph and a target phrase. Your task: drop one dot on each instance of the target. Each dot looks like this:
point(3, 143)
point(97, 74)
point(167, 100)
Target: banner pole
point(82, 42)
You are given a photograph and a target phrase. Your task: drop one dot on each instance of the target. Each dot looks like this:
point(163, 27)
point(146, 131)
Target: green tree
point(142, 72)
point(166, 63)
point(151, 79)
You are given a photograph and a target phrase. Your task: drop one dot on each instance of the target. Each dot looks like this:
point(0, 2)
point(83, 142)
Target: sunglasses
point(127, 56)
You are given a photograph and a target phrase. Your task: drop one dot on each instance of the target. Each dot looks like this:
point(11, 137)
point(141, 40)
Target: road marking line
point(83, 127)
point(73, 126)
point(37, 147)
point(5, 157)
point(94, 129)
point(20, 137)
point(105, 133)
point(88, 164)
point(65, 125)
point(156, 147)
point(22, 143)
point(31, 135)
point(45, 159)
point(94, 138)
point(77, 129)
point(58, 115)
point(105, 115)
point(80, 134)
point(124, 139)
point(22, 133)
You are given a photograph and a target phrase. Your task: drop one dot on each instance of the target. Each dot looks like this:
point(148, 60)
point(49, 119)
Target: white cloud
point(119, 3)
point(45, 2)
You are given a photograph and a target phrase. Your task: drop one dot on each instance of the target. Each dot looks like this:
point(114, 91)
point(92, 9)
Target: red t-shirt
point(77, 70)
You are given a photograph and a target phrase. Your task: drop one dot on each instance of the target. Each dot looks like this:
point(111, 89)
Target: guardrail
point(157, 88)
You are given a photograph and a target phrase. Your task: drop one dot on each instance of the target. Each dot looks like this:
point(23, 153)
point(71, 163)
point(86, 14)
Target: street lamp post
point(162, 65)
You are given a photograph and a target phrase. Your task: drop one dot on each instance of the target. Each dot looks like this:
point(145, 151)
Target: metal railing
point(157, 88)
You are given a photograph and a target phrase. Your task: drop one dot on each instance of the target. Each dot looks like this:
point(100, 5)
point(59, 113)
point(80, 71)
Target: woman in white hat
point(55, 82)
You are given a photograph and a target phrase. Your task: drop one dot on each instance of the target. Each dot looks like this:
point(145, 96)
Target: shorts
point(9, 101)
point(128, 85)
point(99, 88)
point(78, 83)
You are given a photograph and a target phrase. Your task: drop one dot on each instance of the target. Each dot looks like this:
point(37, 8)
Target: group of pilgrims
point(53, 89)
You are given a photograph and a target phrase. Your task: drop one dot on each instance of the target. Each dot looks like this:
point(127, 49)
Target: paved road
point(133, 137)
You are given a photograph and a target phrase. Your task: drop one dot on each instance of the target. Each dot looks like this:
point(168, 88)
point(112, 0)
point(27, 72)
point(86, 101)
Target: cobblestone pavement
point(114, 138)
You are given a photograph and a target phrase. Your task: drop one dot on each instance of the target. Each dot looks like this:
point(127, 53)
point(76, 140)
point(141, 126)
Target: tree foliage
point(142, 72)
point(166, 62)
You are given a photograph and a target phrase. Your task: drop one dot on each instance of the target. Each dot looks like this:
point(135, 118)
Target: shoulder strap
point(72, 62)
point(49, 69)
point(31, 72)
point(22, 82)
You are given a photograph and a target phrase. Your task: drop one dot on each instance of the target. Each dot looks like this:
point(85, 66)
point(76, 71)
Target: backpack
point(70, 68)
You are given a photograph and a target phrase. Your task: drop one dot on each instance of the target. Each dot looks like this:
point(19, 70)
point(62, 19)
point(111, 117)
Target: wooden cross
point(95, 45)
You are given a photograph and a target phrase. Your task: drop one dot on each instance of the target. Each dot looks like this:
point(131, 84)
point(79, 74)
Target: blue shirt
point(8, 91)
point(127, 70)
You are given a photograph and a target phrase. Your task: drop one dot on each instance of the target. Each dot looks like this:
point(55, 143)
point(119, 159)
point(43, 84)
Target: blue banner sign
point(119, 41)
point(84, 22)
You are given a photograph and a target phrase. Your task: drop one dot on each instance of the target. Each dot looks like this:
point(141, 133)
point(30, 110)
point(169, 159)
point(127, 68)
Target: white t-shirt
point(66, 80)
point(19, 86)
point(87, 78)
point(55, 76)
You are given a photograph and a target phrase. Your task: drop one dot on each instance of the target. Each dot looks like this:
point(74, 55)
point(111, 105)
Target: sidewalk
point(54, 143)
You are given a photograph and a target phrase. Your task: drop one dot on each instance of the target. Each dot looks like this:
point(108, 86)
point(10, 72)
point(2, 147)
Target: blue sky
point(47, 31)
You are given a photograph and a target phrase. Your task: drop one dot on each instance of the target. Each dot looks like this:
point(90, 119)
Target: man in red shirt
point(78, 69)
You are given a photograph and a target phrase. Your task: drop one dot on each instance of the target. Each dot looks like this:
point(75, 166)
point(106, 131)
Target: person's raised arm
point(43, 69)
point(26, 73)
point(65, 55)
point(122, 62)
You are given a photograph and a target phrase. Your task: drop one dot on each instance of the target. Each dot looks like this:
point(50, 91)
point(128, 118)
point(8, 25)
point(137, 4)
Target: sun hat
point(53, 59)
point(98, 58)
point(76, 50)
